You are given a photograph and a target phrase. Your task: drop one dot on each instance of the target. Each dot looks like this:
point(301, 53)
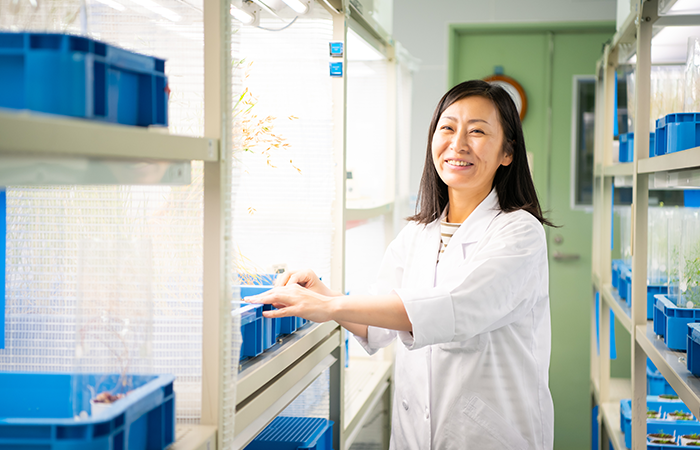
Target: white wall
point(422, 27)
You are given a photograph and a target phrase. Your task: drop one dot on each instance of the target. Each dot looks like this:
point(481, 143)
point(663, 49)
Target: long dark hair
point(513, 182)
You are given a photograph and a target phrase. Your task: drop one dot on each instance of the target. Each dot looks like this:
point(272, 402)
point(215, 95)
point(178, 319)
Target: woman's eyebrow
point(454, 119)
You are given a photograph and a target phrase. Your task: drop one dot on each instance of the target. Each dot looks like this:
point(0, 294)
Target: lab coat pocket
point(481, 426)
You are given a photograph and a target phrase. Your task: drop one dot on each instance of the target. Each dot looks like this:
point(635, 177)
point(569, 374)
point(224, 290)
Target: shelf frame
point(34, 134)
point(634, 37)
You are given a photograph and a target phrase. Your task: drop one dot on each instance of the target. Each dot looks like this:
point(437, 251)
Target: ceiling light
point(300, 7)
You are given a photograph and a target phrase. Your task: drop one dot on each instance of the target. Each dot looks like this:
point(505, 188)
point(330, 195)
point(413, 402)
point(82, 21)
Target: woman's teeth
point(458, 163)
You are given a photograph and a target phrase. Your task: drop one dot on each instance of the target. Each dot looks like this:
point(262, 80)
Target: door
point(544, 60)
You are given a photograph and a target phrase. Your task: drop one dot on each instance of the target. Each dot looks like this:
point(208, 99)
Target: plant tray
point(616, 266)
point(671, 322)
point(81, 77)
point(295, 433)
point(251, 329)
point(37, 412)
point(656, 383)
point(677, 132)
point(678, 427)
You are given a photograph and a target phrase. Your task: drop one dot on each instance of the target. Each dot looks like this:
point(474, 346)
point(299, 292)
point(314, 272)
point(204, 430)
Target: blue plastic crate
point(295, 433)
point(616, 265)
point(693, 357)
point(37, 412)
point(656, 383)
point(678, 427)
point(652, 291)
point(251, 329)
point(677, 132)
point(624, 284)
point(80, 77)
point(627, 146)
point(671, 322)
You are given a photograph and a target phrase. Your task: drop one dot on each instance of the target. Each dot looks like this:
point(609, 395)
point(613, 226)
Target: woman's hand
point(305, 278)
point(295, 300)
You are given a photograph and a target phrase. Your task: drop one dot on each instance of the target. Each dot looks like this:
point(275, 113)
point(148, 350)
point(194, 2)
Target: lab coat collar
point(478, 221)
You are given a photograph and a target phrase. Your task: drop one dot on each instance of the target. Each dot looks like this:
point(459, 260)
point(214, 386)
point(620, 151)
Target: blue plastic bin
point(251, 329)
point(656, 383)
point(616, 264)
point(81, 77)
point(680, 427)
point(627, 146)
point(37, 412)
point(652, 291)
point(295, 433)
point(693, 357)
point(671, 322)
point(677, 132)
point(624, 284)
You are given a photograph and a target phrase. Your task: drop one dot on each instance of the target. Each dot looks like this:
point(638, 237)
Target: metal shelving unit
point(633, 39)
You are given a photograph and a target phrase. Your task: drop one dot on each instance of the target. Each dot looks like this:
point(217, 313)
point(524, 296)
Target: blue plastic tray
point(693, 357)
point(627, 146)
point(677, 132)
point(624, 284)
point(251, 329)
point(671, 322)
point(37, 412)
point(616, 266)
point(656, 425)
point(656, 383)
point(81, 77)
point(295, 433)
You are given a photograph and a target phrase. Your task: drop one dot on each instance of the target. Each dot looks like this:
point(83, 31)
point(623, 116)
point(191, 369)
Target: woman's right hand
point(305, 278)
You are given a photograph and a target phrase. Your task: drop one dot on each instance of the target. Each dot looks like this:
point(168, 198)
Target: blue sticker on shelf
point(336, 49)
point(336, 69)
point(3, 246)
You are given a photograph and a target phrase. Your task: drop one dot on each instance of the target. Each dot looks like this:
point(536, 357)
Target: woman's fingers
point(283, 278)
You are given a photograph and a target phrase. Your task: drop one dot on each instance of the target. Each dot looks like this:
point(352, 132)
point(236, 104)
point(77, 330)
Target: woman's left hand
point(294, 300)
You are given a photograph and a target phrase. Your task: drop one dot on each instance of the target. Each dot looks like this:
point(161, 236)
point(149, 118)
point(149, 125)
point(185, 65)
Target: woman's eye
point(446, 127)
point(476, 130)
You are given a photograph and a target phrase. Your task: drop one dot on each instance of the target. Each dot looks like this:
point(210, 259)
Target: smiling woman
point(464, 287)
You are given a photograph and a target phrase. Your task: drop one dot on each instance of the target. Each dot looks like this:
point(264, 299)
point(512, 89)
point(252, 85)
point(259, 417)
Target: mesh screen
point(48, 226)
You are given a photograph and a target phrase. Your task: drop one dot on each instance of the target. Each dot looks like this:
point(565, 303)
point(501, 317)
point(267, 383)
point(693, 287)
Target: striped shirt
point(447, 230)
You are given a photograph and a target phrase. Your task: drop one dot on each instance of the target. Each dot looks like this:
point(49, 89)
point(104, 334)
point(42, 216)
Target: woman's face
point(467, 146)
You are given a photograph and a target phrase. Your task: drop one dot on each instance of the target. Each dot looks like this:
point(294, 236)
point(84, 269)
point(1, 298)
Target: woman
point(464, 286)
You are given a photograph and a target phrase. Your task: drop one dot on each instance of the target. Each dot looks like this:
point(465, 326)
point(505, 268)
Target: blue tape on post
point(3, 244)
point(613, 348)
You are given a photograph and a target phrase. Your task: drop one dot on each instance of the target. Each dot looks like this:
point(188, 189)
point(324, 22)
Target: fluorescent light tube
point(242, 16)
point(112, 4)
point(156, 8)
point(298, 6)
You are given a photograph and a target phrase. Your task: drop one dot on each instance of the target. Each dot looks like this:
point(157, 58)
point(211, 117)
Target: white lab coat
point(474, 372)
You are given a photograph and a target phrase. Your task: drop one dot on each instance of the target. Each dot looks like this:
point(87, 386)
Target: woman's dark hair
point(513, 182)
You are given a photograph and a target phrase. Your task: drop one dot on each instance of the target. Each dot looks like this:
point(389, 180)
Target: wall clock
point(514, 89)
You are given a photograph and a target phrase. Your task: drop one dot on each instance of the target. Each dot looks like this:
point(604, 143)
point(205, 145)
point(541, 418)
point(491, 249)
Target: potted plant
point(686, 439)
point(651, 414)
point(659, 436)
point(679, 415)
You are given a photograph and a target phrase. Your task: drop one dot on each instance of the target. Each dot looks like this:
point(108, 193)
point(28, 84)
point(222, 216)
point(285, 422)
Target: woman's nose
point(459, 143)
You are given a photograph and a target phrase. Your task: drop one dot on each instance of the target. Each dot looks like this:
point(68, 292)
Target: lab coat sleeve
point(499, 285)
point(390, 277)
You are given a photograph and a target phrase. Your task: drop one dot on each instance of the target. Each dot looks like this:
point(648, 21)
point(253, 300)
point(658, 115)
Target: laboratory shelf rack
point(634, 38)
point(266, 384)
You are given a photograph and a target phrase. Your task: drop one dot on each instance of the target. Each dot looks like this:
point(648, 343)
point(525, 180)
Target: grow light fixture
point(298, 6)
point(246, 13)
point(160, 10)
